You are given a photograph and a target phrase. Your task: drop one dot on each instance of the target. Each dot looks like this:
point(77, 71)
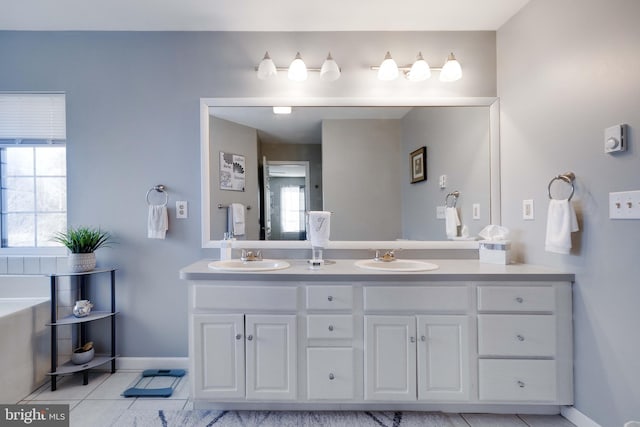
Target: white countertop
point(344, 269)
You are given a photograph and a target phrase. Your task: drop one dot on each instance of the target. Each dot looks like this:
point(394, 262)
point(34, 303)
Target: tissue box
point(495, 251)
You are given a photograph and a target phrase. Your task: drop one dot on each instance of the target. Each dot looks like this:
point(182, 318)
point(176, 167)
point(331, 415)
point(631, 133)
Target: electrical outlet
point(476, 210)
point(440, 212)
point(182, 209)
point(527, 210)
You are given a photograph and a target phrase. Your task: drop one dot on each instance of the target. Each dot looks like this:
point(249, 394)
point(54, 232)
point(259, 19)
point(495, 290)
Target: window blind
point(32, 116)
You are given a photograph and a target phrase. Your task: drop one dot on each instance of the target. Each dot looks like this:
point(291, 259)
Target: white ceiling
point(257, 15)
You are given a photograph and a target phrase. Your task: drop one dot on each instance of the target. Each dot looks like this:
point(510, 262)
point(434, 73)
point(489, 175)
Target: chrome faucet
point(388, 256)
point(250, 255)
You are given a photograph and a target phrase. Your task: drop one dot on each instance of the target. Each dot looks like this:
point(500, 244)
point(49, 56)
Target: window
point(33, 172)
point(292, 209)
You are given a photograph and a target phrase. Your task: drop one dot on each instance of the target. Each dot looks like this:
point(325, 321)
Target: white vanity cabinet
point(243, 355)
point(525, 342)
point(421, 356)
point(436, 342)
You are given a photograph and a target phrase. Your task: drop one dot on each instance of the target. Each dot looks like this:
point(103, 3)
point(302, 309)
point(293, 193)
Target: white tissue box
point(495, 252)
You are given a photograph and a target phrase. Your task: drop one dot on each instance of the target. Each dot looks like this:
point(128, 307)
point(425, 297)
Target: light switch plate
point(440, 212)
point(624, 205)
point(476, 210)
point(527, 210)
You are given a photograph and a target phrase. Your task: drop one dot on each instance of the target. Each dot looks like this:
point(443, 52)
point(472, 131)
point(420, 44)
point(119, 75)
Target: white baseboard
point(577, 417)
point(142, 363)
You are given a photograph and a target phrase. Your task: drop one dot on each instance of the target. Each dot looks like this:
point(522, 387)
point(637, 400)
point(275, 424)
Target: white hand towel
point(236, 219)
point(157, 222)
point(319, 228)
point(451, 222)
point(561, 221)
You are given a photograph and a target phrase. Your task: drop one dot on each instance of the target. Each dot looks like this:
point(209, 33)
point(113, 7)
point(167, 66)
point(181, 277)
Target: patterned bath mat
point(202, 418)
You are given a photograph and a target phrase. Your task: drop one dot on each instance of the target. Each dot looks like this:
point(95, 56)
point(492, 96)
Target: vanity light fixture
point(281, 110)
point(298, 71)
point(388, 70)
point(329, 72)
point(451, 70)
point(267, 69)
point(419, 70)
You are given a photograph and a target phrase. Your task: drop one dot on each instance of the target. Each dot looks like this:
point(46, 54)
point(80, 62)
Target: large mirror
point(351, 157)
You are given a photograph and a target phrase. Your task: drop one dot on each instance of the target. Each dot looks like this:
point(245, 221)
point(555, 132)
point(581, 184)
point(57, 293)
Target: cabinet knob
point(250, 337)
point(239, 336)
point(330, 298)
point(423, 338)
point(331, 327)
point(519, 300)
point(332, 377)
point(520, 384)
point(412, 339)
point(520, 337)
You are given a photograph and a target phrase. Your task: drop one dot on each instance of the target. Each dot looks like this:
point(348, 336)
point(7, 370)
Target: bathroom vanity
point(464, 337)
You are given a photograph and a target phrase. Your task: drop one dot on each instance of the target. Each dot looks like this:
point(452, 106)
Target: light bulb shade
point(451, 70)
point(266, 68)
point(419, 70)
point(329, 72)
point(297, 69)
point(388, 69)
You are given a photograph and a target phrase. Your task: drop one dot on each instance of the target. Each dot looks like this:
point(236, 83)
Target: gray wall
point(457, 141)
point(361, 178)
point(566, 71)
point(234, 138)
point(133, 122)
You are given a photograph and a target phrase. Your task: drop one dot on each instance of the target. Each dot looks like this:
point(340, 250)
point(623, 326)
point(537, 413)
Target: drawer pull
point(332, 377)
point(239, 336)
point(520, 337)
point(331, 327)
point(520, 384)
point(423, 338)
point(412, 339)
point(519, 300)
point(330, 298)
point(250, 337)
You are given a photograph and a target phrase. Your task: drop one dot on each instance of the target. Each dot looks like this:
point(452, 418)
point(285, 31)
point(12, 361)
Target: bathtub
point(24, 346)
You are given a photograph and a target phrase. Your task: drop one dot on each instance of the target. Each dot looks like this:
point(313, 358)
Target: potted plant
point(83, 242)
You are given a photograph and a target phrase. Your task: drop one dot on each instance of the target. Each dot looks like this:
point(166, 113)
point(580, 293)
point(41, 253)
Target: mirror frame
point(494, 157)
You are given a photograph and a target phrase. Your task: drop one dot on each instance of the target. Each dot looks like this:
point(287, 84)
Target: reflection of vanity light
point(281, 110)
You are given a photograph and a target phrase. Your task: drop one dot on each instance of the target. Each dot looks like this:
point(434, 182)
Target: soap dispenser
point(226, 247)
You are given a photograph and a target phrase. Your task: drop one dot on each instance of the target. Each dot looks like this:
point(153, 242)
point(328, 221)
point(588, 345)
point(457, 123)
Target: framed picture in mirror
point(418, 165)
point(232, 171)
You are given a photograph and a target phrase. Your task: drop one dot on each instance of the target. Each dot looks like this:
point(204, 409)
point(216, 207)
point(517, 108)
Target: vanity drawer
point(516, 298)
point(330, 373)
point(330, 326)
point(420, 298)
point(271, 298)
point(517, 380)
point(517, 335)
point(329, 297)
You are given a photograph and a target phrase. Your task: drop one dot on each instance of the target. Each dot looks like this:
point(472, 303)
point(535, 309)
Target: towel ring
point(455, 195)
point(159, 189)
point(569, 178)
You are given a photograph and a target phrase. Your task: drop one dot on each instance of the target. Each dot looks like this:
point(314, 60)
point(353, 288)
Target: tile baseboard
point(577, 417)
point(142, 363)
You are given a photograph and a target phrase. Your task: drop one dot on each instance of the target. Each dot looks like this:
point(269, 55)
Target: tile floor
point(100, 404)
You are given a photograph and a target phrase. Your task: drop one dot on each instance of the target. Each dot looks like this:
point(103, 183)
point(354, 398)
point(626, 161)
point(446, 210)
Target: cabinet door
point(218, 356)
point(271, 357)
point(443, 358)
point(390, 358)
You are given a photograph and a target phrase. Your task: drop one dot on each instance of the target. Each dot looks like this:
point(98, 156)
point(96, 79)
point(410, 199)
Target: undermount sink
point(239, 265)
point(396, 265)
